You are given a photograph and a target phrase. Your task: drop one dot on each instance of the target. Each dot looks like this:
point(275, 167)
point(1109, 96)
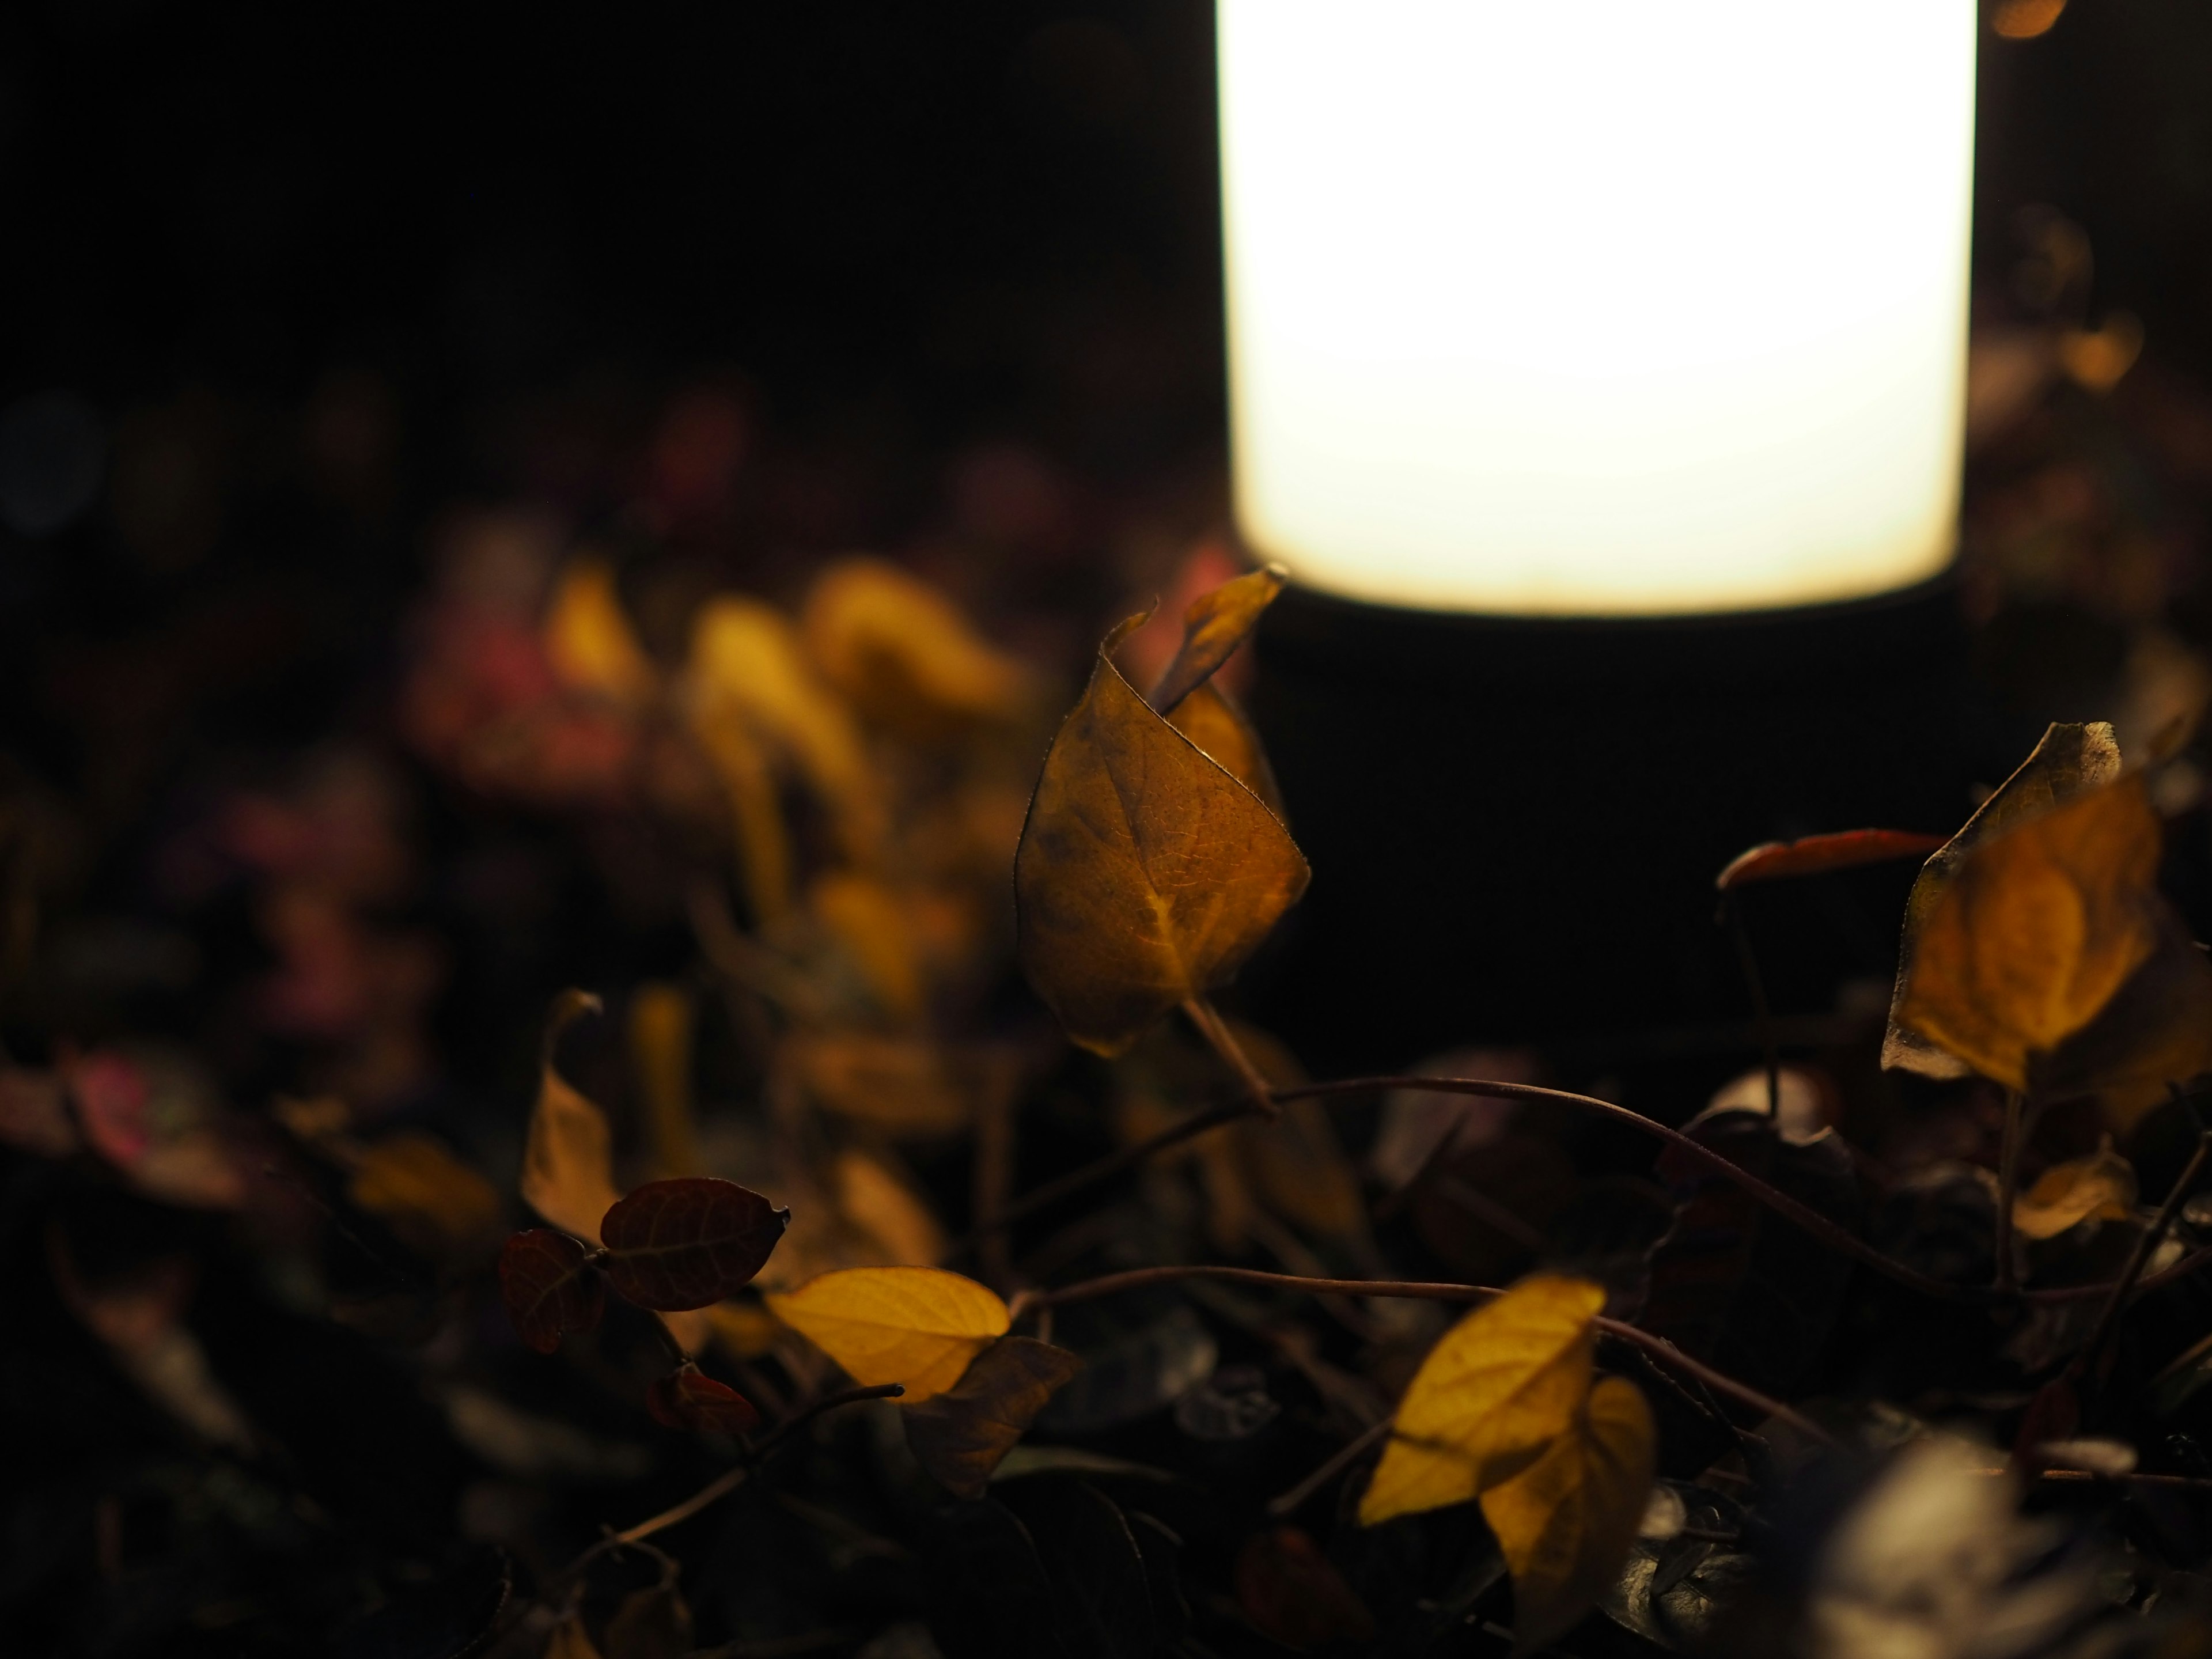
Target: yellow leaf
point(660, 1019)
point(568, 1160)
point(918, 1326)
point(588, 639)
point(2102, 1184)
point(903, 654)
point(436, 1204)
point(2069, 761)
point(747, 671)
point(866, 917)
point(880, 1205)
point(2036, 930)
point(1146, 873)
point(1500, 1385)
point(1565, 1524)
point(1213, 625)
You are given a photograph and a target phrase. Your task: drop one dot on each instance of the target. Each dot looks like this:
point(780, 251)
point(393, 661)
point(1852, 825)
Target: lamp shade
point(1591, 307)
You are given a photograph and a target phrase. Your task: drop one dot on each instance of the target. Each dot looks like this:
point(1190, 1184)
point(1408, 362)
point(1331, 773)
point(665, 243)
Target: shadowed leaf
point(691, 1399)
point(1566, 1521)
point(435, 1203)
point(1500, 1384)
point(2036, 930)
point(688, 1243)
point(2102, 1184)
point(1813, 855)
point(548, 1287)
point(1213, 625)
point(1097, 1573)
point(988, 1594)
point(2069, 761)
point(918, 1326)
point(1146, 873)
point(568, 1161)
point(1293, 1594)
point(961, 1434)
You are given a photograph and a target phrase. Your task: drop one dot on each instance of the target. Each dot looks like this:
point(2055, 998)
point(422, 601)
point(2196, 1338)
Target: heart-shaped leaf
point(673, 1245)
point(916, 1325)
point(1501, 1384)
point(1146, 873)
point(548, 1286)
point(961, 1433)
point(691, 1399)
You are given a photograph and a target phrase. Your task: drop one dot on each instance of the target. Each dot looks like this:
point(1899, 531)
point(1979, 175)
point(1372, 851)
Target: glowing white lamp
point(1598, 306)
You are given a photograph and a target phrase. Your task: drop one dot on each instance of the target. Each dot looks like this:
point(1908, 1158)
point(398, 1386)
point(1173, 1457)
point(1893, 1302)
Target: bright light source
point(1589, 307)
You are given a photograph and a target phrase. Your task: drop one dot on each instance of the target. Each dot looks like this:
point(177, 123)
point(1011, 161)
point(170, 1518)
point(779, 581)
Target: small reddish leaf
point(549, 1286)
point(1293, 1593)
point(691, 1399)
point(688, 1243)
point(1813, 855)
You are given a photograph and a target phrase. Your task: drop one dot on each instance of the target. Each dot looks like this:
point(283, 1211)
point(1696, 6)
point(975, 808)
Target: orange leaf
point(1813, 855)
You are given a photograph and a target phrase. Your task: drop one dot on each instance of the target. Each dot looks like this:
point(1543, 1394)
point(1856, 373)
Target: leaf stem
point(1665, 1352)
point(2109, 1318)
point(2015, 1113)
point(1215, 1030)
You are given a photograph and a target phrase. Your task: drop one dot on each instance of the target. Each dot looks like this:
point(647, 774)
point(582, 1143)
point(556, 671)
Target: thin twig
point(2015, 1116)
point(1418, 1290)
point(1340, 1460)
point(2108, 1320)
point(1112, 1165)
point(1215, 1030)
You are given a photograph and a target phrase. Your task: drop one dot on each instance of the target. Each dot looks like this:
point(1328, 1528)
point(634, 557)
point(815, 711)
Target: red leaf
point(692, 1400)
point(688, 1243)
point(1292, 1592)
point(1811, 855)
point(549, 1286)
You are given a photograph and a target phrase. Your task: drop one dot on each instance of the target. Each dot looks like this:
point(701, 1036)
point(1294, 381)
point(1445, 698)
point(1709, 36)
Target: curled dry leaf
point(1146, 873)
point(1565, 1523)
point(916, 1325)
point(1212, 722)
point(436, 1204)
point(1213, 626)
point(547, 1285)
point(568, 1159)
point(691, 1400)
point(589, 642)
point(688, 1243)
point(2069, 760)
point(1813, 855)
point(1499, 1386)
point(1293, 1594)
point(961, 1434)
point(2102, 1184)
point(903, 654)
point(2036, 930)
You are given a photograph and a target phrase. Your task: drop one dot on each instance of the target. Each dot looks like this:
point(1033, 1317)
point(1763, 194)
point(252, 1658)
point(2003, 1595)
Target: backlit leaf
point(1566, 1521)
point(1146, 873)
point(691, 1399)
point(435, 1203)
point(961, 1434)
point(2155, 1033)
point(2102, 1184)
point(1216, 724)
point(1813, 855)
point(918, 1326)
point(1491, 1394)
point(2068, 762)
point(688, 1243)
point(902, 652)
point(1293, 1593)
point(2036, 930)
point(548, 1287)
point(568, 1160)
point(1213, 626)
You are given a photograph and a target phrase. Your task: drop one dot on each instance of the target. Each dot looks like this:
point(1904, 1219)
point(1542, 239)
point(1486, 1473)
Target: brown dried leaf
point(568, 1160)
point(2069, 761)
point(961, 1434)
point(903, 654)
point(1565, 1521)
point(2154, 1034)
point(1146, 873)
point(2035, 932)
point(2102, 1184)
point(688, 1243)
point(1213, 626)
point(434, 1202)
point(548, 1287)
point(1212, 720)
